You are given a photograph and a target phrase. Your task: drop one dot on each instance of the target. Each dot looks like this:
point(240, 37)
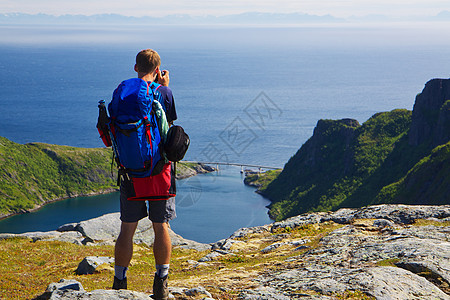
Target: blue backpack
point(137, 139)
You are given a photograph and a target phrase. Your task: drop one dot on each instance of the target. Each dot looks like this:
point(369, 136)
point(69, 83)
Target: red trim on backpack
point(154, 187)
point(149, 138)
point(106, 139)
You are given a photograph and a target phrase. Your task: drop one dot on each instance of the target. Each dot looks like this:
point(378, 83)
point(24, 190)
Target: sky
point(337, 8)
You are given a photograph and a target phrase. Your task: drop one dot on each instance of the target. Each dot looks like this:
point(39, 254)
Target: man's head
point(147, 61)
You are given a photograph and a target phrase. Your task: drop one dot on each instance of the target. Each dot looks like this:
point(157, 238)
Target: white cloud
point(340, 8)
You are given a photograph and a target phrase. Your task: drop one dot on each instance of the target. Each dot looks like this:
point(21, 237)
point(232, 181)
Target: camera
point(157, 75)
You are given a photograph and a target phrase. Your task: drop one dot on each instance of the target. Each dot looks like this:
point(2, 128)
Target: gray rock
point(403, 214)
point(67, 227)
point(300, 220)
point(73, 290)
point(65, 284)
point(243, 232)
point(195, 264)
point(272, 247)
point(346, 260)
point(6, 236)
point(38, 235)
point(390, 282)
point(89, 264)
point(262, 293)
point(210, 256)
point(181, 242)
point(382, 223)
point(99, 295)
point(107, 227)
point(425, 232)
point(177, 291)
point(342, 216)
point(70, 237)
point(399, 214)
point(299, 242)
point(197, 291)
point(224, 244)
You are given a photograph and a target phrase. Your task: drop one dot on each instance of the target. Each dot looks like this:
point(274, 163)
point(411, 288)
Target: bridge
point(260, 167)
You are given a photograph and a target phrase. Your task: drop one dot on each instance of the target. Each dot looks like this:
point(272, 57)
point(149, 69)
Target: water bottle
point(102, 123)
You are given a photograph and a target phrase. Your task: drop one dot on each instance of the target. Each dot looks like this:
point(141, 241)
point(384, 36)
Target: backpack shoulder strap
point(156, 94)
point(153, 86)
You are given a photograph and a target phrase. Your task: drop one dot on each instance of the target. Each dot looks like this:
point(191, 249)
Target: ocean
point(244, 95)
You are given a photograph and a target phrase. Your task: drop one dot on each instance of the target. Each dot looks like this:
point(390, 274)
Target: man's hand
point(163, 78)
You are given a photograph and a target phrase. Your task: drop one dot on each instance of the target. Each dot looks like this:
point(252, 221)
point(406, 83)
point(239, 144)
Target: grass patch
point(262, 180)
point(353, 295)
point(29, 267)
point(390, 262)
point(423, 222)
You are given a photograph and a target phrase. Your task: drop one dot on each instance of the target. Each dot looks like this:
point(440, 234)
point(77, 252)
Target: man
point(159, 212)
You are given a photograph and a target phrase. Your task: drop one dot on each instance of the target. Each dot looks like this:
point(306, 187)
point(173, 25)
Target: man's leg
point(160, 213)
point(162, 249)
point(123, 252)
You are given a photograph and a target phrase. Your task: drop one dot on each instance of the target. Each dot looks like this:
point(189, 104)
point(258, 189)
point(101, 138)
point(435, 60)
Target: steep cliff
point(431, 115)
point(388, 159)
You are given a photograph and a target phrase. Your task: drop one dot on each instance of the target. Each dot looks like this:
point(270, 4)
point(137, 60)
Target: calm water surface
point(210, 207)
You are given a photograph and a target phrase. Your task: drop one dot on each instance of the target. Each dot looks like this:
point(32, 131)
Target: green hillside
point(36, 173)
point(394, 157)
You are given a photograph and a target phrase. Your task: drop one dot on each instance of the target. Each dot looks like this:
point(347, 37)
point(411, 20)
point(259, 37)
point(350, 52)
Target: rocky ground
point(377, 252)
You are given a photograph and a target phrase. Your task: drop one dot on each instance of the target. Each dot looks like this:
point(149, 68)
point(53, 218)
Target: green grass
point(29, 267)
point(262, 180)
point(33, 174)
point(390, 262)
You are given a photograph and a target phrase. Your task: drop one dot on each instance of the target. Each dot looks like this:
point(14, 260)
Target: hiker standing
point(136, 184)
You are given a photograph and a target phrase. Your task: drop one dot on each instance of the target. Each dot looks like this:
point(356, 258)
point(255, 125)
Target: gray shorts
point(160, 211)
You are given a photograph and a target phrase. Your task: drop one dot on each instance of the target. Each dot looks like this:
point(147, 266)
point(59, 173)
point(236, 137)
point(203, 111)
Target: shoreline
point(38, 207)
point(199, 169)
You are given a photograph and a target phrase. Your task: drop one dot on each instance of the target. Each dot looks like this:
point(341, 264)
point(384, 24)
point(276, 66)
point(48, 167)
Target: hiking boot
point(160, 289)
point(119, 284)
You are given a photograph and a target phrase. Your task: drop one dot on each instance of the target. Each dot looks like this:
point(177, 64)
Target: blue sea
point(245, 95)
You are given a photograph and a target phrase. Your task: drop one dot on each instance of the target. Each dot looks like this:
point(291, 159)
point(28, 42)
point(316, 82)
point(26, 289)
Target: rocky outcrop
point(72, 289)
point(104, 230)
point(376, 252)
point(89, 264)
point(431, 114)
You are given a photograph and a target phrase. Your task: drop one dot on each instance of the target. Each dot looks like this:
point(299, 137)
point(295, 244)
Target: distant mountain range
point(249, 18)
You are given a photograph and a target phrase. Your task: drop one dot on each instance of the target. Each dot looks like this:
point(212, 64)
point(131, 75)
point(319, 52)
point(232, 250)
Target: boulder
point(73, 290)
point(89, 264)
